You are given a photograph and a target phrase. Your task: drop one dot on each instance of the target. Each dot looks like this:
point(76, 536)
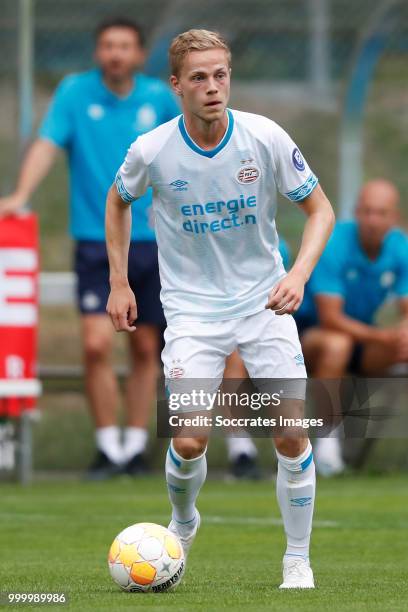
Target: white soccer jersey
point(214, 212)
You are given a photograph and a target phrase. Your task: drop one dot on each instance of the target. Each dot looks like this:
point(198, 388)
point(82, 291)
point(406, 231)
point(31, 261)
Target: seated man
point(364, 264)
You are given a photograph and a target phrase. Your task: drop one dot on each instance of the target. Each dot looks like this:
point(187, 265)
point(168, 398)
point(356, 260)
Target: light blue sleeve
point(401, 284)
point(57, 122)
point(327, 277)
point(294, 178)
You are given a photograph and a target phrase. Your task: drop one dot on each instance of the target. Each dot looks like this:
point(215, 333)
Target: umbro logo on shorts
point(299, 359)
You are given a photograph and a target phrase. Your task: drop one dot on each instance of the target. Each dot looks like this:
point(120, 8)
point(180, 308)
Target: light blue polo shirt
point(96, 127)
point(345, 270)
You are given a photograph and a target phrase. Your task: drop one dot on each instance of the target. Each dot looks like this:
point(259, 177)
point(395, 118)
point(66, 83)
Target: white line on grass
point(259, 520)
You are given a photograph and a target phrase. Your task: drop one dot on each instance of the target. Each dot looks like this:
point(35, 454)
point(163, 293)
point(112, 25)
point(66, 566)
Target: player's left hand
point(287, 295)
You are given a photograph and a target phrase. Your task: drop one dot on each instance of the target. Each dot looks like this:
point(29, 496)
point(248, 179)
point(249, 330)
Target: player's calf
point(295, 488)
point(185, 477)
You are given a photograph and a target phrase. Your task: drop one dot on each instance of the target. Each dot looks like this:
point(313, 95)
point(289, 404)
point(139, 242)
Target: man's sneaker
point(297, 574)
point(328, 457)
point(245, 467)
point(185, 536)
point(136, 466)
point(103, 468)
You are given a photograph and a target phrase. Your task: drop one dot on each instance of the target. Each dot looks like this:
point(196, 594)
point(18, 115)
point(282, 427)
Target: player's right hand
point(11, 204)
point(122, 308)
point(395, 340)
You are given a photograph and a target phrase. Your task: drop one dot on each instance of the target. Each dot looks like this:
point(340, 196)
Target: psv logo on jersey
point(248, 174)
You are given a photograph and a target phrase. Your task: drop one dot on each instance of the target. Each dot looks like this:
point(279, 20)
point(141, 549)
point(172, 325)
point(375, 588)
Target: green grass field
point(55, 536)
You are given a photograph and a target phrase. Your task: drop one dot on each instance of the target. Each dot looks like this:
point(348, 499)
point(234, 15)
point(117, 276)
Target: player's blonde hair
point(194, 40)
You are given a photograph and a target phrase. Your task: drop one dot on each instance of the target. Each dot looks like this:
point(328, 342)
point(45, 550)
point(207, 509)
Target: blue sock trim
point(176, 461)
point(305, 464)
point(295, 555)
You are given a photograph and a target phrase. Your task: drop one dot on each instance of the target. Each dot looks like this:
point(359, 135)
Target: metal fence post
point(25, 71)
point(319, 59)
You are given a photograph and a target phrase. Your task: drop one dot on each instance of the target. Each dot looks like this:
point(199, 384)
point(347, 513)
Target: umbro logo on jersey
point(179, 185)
point(248, 174)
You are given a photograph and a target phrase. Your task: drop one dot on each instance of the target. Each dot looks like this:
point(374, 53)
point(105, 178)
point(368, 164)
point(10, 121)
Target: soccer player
point(95, 116)
point(215, 173)
point(364, 264)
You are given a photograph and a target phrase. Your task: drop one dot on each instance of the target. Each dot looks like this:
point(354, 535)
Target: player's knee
point(190, 448)
point(291, 447)
point(335, 354)
point(97, 347)
point(145, 353)
point(337, 347)
point(144, 348)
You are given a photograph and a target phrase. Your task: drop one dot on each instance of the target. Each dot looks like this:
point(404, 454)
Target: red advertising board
point(19, 270)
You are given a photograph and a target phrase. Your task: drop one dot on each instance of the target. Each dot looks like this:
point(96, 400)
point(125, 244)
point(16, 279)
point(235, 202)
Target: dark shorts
point(303, 324)
point(354, 364)
point(92, 269)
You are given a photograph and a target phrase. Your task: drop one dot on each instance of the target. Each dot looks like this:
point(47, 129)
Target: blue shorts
point(92, 269)
point(304, 323)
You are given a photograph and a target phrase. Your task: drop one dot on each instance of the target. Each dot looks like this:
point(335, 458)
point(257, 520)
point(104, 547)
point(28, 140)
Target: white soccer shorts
point(267, 343)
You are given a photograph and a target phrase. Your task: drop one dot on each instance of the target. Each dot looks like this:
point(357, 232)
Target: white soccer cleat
point(186, 537)
point(297, 574)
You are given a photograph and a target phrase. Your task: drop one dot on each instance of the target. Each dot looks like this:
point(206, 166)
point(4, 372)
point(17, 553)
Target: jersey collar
point(207, 153)
point(111, 96)
point(363, 254)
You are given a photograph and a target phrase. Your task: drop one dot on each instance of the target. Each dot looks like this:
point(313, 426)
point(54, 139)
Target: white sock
point(108, 441)
point(295, 489)
point(134, 442)
point(337, 432)
point(184, 478)
point(330, 447)
point(240, 446)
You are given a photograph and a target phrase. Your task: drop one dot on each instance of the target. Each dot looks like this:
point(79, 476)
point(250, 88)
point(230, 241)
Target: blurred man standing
point(95, 116)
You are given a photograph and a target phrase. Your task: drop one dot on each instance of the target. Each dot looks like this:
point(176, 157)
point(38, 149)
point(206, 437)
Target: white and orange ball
point(146, 557)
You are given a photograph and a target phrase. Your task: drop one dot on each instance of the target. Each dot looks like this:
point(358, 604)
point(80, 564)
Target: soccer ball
point(146, 557)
